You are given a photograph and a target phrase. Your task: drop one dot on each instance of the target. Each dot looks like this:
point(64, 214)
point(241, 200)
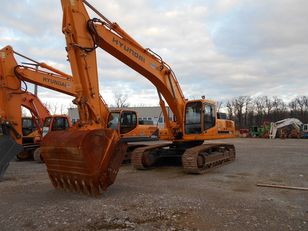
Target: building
point(146, 115)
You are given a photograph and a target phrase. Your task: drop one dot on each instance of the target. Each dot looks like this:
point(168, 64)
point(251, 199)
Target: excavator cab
point(199, 116)
point(126, 122)
point(56, 123)
point(122, 120)
point(28, 126)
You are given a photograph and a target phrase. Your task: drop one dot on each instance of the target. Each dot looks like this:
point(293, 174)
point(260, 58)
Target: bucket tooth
point(84, 188)
point(94, 189)
point(54, 181)
point(60, 182)
point(65, 183)
point(79, 186)
point(74, 185)
point(88, 188)
point(103, 181)
point(70, 184)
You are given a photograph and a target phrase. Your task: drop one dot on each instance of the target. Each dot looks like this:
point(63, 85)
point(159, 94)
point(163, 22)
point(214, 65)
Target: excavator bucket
point(83, 161)
point(8, 150)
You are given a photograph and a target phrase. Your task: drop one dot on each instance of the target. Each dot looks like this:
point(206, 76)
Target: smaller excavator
point(296, 128)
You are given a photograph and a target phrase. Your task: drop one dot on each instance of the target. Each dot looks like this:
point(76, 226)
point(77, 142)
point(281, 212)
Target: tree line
point(249, 111)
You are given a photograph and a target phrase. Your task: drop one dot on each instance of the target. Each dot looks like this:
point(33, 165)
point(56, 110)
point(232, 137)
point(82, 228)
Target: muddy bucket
point(8, 150)
point(84, 161)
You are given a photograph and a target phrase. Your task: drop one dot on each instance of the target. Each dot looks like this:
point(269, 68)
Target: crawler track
point(201, 159)
point(142, 158)
point(197, 160)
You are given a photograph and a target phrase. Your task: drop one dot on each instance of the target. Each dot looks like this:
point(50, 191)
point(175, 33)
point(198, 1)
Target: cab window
point(59, 124)
point(193, 118)
point(209, 116)
point(113, 120)
point(128, 121)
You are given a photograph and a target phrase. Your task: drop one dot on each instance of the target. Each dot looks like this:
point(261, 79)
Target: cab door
point(209, 118)
point(128, 121)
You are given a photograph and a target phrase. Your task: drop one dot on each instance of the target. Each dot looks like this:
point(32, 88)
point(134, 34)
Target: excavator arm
point(37, 109)
point(113, 39)
point(47, 76)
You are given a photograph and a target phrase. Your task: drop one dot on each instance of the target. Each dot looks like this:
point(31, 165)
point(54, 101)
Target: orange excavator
point(26, 131)
point(194, 121)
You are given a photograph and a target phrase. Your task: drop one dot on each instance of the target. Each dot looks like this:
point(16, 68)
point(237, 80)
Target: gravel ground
point(167, 199)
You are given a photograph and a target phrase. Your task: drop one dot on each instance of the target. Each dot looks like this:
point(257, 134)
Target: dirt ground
point(167, 199)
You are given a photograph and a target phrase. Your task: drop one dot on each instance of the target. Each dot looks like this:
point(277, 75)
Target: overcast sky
point(217, 48)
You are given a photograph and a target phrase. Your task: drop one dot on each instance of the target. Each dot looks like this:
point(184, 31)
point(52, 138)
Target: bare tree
point(301, 104)
point(218, 105)
point(280, 109)
point(259, 103)
point(52, 107)
point(299, 108)
point(239, 103)
point(293, 108)
point(268, 104)
point(248, 111)
point(230, 109)
point(120, 100)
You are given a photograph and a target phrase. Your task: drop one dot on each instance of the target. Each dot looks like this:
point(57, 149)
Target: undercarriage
point(195, 158)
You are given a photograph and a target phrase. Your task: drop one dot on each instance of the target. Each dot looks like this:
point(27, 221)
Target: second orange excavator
point(86, 158)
